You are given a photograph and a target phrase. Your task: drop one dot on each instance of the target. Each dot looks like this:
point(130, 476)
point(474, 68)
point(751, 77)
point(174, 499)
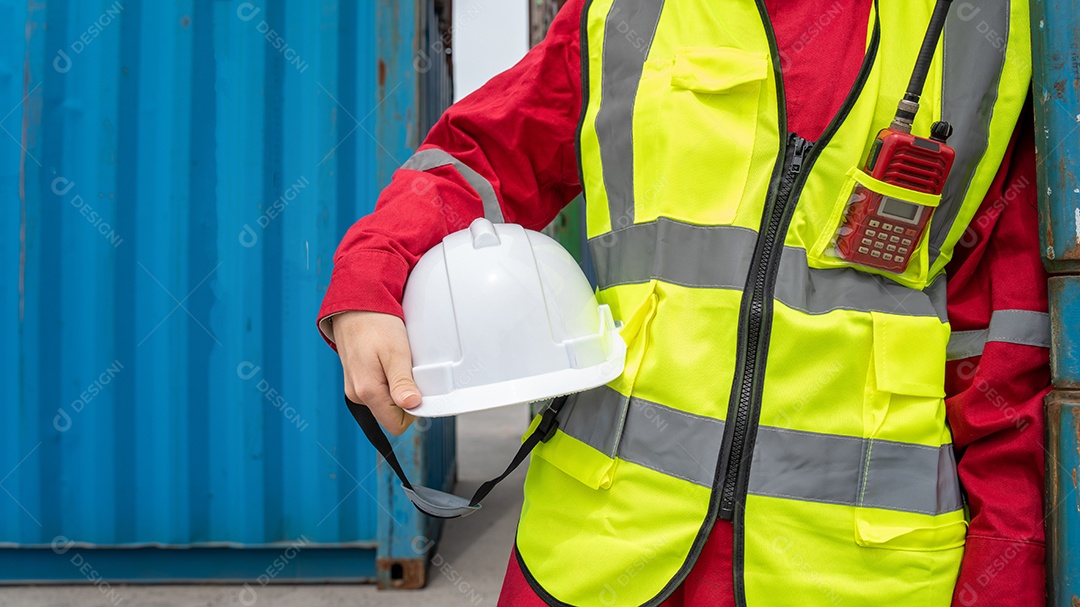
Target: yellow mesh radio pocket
point(880, 228)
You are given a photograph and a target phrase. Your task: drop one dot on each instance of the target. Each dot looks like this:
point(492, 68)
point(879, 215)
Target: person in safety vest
point(793, 426)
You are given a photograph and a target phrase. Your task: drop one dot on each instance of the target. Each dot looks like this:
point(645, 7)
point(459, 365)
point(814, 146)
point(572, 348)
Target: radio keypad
point(889, 241)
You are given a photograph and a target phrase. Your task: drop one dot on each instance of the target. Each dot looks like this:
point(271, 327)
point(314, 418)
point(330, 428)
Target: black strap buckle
point(549, 423)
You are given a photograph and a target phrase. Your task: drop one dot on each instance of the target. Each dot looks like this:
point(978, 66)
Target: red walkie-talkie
point(880, 231)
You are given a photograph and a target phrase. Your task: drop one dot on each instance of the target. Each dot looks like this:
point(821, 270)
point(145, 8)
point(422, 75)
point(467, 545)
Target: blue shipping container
point(176, 178)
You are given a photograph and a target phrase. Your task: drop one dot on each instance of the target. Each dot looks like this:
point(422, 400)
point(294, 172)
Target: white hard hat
point(498, 315)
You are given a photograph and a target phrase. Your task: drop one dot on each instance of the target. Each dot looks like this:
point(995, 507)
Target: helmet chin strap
point(439, 503)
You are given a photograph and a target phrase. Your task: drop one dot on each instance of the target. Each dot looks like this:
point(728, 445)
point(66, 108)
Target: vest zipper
point(784, 190)
point(738, 438)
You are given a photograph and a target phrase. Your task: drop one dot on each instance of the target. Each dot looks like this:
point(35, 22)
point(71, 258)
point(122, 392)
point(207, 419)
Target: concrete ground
point(472, 553)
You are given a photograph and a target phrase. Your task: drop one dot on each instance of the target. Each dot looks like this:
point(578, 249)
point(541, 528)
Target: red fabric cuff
point(1001, 573)
point(367, 279)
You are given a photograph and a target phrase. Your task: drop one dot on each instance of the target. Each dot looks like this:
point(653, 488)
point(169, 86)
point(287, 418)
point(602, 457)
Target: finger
point(391, 417)
point(397, 363)
point(362, 374)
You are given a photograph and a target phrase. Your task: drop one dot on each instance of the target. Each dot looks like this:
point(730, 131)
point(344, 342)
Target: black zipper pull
point(801, 149)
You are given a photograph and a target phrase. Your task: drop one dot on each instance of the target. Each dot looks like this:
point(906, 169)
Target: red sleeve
point(995, 400)
point(517, 132)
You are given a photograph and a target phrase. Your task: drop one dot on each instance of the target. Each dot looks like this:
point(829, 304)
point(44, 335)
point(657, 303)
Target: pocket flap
point(907, 531)
point(714, 70)
point(577, 459)
point(908, 351)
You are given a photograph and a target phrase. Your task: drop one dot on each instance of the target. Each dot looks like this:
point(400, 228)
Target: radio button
point(887, 257)
point(894, 239)
point(871, 233)
point(878, 244)
point(875, 253)
point(891, 247)
point(906, 242)
point(904, 250)
point(864, 250)
point(866, 241)
point(874, 223)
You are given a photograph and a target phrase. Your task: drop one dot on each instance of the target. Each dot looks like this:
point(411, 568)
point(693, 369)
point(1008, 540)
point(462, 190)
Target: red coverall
point(518, 131)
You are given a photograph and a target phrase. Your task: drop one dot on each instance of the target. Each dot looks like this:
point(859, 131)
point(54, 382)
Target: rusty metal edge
point(413, 573)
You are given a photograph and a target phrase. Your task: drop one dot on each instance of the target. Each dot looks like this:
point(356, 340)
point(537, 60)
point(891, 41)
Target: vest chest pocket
point(909, 496)
point(880, 228)
point(694, 133)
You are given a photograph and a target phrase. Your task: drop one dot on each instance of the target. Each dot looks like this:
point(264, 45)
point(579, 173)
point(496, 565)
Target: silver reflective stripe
point(673, 442)
point(854, 471)
point(597, 422)
point(971, 75)
point(803, 465)
point(1022, 327)
point(898, 478)
point(425, 160)
point(937, 291)
point(788, 464)
point(623, 60)
point(965, 344)
point(719, 257)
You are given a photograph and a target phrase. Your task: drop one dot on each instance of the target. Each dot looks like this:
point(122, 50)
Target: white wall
point(489, 36)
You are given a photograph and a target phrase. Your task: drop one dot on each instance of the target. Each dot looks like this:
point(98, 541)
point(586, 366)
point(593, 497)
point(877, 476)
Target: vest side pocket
point(890, 239)
point(909, 496)
point(587, 441)
point(576, 458)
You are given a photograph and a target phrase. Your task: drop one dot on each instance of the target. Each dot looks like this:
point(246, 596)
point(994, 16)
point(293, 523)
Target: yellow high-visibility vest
point(767, 380)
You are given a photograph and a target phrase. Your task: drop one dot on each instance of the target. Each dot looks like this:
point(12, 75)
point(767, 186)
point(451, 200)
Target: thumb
point(398, 367)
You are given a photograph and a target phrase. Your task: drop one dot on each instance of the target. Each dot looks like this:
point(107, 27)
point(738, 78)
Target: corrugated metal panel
point(1055, 69)
point(1055, 76)
point(429, 445)
point(178, 175)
